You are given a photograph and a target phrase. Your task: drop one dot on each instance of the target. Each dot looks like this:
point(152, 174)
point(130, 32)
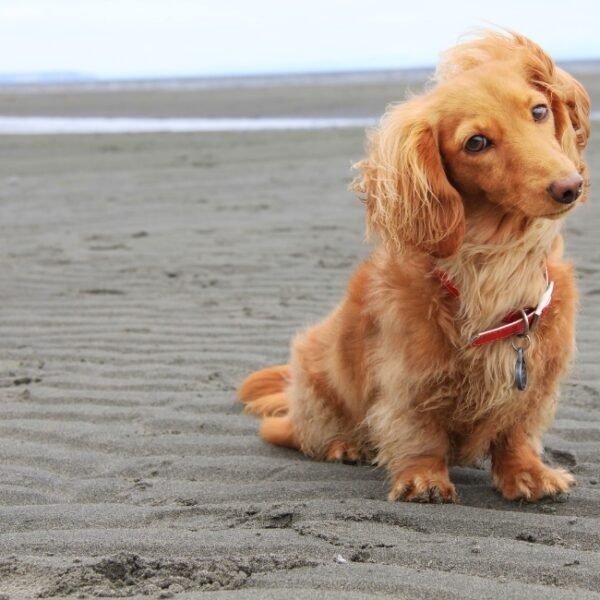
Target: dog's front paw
point(533, 483)
point(424, 486)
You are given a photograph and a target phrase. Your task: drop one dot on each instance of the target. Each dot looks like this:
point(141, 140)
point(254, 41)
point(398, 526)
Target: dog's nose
point(567, 189)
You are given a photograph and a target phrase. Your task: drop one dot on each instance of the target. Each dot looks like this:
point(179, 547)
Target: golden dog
point(453, 336)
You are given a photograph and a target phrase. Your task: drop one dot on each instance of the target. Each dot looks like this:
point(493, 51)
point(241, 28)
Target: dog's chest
point(486, 383)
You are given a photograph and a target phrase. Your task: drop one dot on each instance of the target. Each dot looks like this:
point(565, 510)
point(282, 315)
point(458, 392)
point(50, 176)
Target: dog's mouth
point(560, 212)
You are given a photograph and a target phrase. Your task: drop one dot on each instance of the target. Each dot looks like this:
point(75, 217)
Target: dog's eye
point(477, 143)
point(540, 112)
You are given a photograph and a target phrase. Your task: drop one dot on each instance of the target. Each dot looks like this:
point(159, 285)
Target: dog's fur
point(389, 376)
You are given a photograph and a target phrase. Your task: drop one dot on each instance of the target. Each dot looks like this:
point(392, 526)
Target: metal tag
point(521, 370)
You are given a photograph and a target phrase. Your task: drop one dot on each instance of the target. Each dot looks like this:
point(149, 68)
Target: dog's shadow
point(354, 481)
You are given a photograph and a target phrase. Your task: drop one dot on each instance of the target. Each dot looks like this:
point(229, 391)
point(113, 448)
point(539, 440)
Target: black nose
point(567, 189)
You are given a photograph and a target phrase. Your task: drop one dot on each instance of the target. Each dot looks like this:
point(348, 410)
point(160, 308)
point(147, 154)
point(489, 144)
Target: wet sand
point(142, 277)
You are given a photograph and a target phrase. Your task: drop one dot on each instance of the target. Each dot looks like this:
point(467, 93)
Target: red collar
point(514, 322)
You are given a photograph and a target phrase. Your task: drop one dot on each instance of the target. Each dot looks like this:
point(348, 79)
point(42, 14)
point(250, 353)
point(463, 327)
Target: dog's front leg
point(415, 450)
point(519, 472)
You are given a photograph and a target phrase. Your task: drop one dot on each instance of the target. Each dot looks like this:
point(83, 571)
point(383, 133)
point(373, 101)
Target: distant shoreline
point(56, 81)
point(221, 81)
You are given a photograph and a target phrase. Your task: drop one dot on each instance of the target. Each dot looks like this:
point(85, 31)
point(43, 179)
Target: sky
point(122, 39)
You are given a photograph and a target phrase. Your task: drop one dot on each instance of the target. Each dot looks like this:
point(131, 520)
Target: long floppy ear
point(571, 109)
point(409, 199)
point(577, 101)
point(569, 101)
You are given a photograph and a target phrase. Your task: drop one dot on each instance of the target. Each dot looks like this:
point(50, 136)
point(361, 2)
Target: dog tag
point(521, 370)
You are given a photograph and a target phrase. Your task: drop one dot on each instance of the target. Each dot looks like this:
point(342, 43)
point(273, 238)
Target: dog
point(453, 336)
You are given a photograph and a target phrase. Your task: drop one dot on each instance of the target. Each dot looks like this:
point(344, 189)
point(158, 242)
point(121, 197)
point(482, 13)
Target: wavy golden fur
point(389, 375)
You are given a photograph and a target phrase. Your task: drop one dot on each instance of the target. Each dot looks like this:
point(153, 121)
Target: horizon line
point(68, 77)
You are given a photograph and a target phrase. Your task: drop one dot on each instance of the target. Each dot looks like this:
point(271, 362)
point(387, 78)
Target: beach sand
point(143, 276)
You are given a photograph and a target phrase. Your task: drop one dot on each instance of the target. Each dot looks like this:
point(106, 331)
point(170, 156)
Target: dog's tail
point(263, 393)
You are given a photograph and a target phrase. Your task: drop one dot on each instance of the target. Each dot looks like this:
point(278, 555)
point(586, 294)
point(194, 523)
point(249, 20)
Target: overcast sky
point(149, 38)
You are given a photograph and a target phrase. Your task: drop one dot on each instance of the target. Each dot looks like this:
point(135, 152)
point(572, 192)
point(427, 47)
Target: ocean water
point(107, 125)
point(85, 125)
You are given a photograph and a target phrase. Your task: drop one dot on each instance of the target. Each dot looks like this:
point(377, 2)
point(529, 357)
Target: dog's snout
point(567, 189)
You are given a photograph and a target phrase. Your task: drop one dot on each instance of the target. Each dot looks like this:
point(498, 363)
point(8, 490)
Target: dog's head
point(503, 128)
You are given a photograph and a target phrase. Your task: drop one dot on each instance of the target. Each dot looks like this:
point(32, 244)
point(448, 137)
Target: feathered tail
point(263, 393)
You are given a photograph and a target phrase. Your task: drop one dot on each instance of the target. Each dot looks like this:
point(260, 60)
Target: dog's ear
point(571, 108)
point(577, 103)
point(568, 99)
point(409, 200)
